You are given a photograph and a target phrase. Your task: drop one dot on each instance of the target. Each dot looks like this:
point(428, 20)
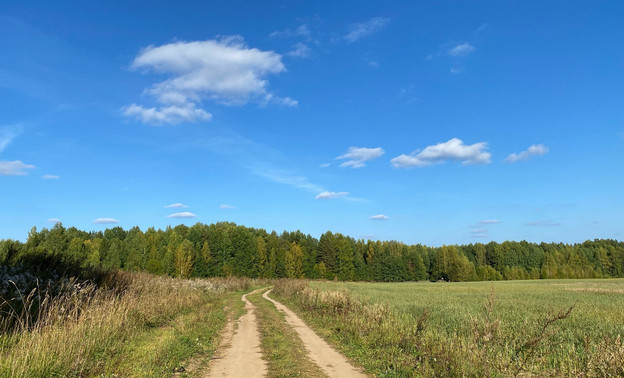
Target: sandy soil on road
point(333, 363)
point(243, 357)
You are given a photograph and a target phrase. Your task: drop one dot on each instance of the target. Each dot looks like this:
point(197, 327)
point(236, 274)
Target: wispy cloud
point(330, 195)
point(260, 160)
point(105, 221)
point(543, 223)
point(489, 221)
point(454, 150)
point(176, 206)
point(184, 214)
point(479, 231)
point(171, 115)
point(301, 31)
point(461, 49)
point(481, 28)
point(224, 206)
point(534, 150)
point(360, 30)
point(223, 70)
point(53, 220)
point(50, 177)
point(379, 217)
point(356, 157)
point(7, 135)
point(284, 177)
point(299, 50)
point(14, 168)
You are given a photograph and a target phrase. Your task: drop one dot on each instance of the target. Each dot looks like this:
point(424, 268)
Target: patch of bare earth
point(327, 358)
point(239, 354)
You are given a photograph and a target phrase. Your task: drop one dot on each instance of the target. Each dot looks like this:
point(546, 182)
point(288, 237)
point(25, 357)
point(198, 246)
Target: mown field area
point(546, 327)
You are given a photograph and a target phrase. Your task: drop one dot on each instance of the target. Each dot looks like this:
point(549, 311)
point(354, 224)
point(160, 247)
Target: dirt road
point(333, 363)
point(242, 358)
point(239, 355)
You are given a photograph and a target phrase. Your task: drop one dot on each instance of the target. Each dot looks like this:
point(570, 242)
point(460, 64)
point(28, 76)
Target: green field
point(503, 328)
point(598, 304)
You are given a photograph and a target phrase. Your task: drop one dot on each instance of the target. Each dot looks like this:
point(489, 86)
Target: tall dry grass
point(393, 343)
point(77, 332)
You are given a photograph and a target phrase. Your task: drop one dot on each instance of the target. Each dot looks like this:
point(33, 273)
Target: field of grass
point(473, 328)
point(151, 327)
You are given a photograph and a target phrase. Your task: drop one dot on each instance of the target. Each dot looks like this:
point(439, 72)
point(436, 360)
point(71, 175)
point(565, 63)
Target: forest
point(226, 249)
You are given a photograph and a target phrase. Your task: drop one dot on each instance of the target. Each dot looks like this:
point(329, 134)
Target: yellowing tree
point(184, 259)
point(294, 261)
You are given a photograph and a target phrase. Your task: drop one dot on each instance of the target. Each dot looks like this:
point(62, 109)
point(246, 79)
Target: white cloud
point(325, 165)
point(489, 221)
point(223, 70)
point(14, 168)
point(356, 157)
point(543, 223)
point(361, 30)
point(534, 150)
point(454, 150)
point(462, 49)
point(301, 31)
point(50, 177)
point(226, 207)
point(172, 115)
point(379, 217)
point(373, 64)
point(54, 220)
point(176, 206)
point(300, 50)
point(456, 70)
point(331, 195)
point(105, 221)
point(185, 214)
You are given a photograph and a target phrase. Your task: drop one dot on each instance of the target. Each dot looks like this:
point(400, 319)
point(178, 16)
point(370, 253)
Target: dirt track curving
point(242, 358)
point(333, 363)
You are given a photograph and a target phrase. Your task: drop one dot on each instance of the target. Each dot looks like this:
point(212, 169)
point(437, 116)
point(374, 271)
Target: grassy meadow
point(144, 326)
point(508, 328)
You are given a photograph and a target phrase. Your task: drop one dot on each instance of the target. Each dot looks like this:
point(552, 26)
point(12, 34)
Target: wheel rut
point(327, 358)
point(242, 357)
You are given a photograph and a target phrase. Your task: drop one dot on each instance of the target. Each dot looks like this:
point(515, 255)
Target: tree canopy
point(227, 249)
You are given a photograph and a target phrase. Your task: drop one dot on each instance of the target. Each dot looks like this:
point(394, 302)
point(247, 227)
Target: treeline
point(226, 249)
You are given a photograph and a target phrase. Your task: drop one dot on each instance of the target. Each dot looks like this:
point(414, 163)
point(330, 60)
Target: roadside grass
point(150, 328)
point(283, 349)
point(554, 328)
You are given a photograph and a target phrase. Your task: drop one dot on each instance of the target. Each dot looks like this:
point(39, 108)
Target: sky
point(433, 122)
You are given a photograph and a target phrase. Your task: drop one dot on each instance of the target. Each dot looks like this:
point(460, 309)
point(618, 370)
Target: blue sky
point(425, 122)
